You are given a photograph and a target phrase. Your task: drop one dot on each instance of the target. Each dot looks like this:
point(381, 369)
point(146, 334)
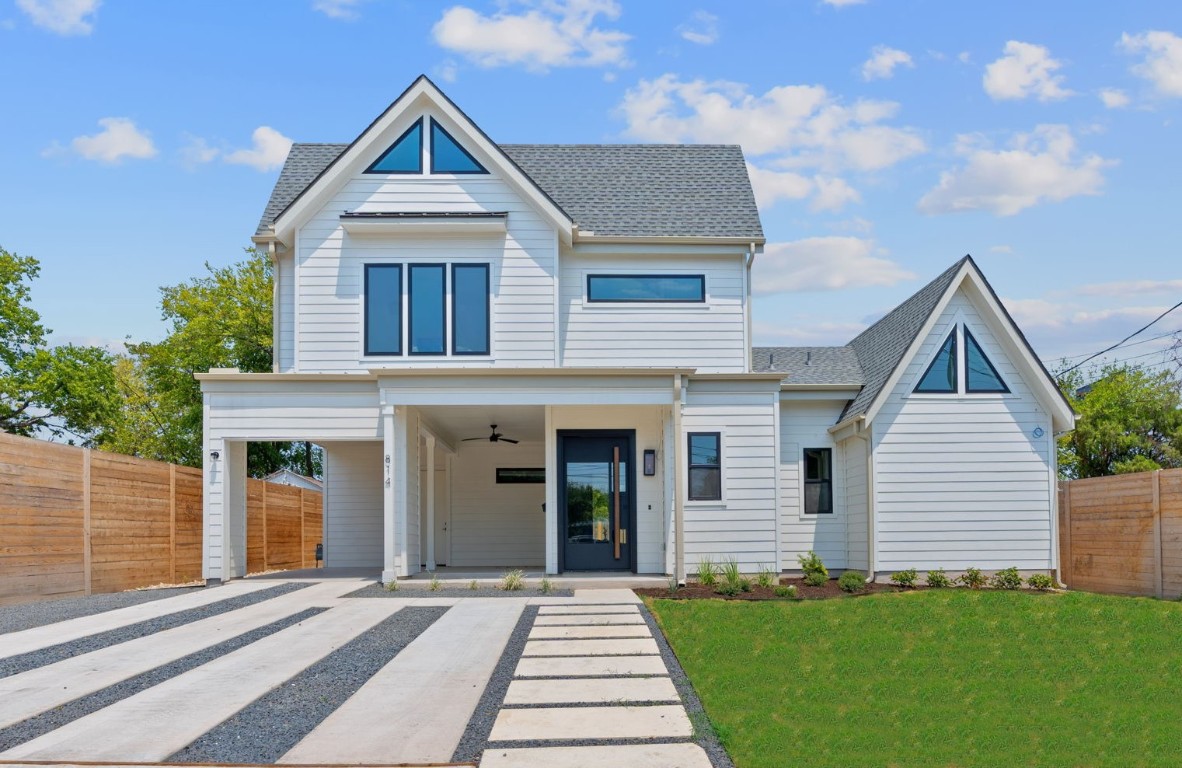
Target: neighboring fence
point(1123, 534)
point(76, 522)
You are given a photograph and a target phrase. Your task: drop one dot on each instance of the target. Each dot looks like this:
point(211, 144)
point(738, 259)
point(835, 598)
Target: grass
point(948, 678)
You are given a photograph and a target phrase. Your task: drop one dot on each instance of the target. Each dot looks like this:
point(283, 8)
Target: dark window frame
point(435, 124)
point(955, 356)
point(487, 310)
point(968, 388)
point(691, 466)
point(826, 481)
point(419, 170)
point(606, 275)
point(511, 476)
point(368, 352)
point(410, 328)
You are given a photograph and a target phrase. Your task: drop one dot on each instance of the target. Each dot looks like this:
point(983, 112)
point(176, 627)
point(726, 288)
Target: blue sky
point(886, 138)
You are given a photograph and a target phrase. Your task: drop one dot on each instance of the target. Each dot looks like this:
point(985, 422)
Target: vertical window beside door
point(469, 309)
point(705, 466)
point(818, 481)
point(426, 289)
point(383, 309)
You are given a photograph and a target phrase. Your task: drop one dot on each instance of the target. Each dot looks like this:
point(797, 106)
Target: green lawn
point(937, 678)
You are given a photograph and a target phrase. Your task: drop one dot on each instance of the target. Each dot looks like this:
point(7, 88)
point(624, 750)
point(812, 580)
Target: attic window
point(447, 156)
point(405, 155)
point(941, 374)
point(979, 373)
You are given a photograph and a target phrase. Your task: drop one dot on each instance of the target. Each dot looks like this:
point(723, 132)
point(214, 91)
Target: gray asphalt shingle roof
point(809, 365)
point(629, 190)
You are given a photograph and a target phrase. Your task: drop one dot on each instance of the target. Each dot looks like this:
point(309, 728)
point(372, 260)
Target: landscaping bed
point(830, 589)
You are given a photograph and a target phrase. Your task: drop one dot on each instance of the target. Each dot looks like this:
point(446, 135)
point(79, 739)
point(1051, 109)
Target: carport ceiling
point(455, 422)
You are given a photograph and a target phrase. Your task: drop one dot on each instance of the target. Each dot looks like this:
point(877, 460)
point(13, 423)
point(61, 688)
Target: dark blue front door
point(596, 503)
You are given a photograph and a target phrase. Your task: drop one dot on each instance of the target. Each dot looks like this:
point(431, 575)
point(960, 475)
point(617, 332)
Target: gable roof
point(810, 365)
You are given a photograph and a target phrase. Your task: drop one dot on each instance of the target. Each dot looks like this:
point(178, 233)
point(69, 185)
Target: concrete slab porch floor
point(471, 675)
point(460, 577)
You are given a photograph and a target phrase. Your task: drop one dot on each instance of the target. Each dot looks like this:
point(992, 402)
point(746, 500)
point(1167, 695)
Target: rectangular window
point(469, 309)
point(383, 309)
point(516, 476)
point(653, 288)
point(426, 296)
point(818, 481)
point(705, 466)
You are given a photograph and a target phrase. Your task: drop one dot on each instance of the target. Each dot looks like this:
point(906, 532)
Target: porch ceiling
point(456, 422)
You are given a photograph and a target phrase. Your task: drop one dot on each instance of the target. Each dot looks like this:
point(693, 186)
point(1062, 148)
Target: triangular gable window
point(941, 374)
point(447, 156)
point(980, 375)
point(405, 155)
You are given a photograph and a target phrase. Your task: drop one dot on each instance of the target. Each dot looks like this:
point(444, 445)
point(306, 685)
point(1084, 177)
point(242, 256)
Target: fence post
point(172, 523)
point(86, 564)
point(1157, 553)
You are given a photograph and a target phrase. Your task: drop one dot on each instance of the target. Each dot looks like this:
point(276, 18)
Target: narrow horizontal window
point(941, 374)
point(405, 155)
point(514, 475)
point(705, 466)
point(670, 288)
point(426, 297)
point(383, 309)
point(979, 373)
point(469, 309)
point(818, 481)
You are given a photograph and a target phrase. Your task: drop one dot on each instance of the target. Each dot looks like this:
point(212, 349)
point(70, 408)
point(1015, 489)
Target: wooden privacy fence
point(75, 522)
point(1123, 534)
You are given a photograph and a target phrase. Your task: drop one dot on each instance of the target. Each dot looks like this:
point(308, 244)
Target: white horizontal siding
point(853, 458)
point(805, 424)
point(707, 336)
point(491, 524)
point(285, 336)
point(961, 481)
point(292, 411)
point(743, 524)
point(353, 505)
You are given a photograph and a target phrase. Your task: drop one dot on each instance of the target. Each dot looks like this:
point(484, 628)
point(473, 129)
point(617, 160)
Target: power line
point(1122, 341)
point(1165, 335)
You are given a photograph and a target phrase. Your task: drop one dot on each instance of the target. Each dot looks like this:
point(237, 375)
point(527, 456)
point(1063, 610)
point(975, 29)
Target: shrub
point(473, 585)
point(707, 572)
point(672, 585)
point(785, 590)
point(766, 577)
point(938, 578)
point(810, 564)
point(727, 588)
point(1040, 581)
point(546, 586)
point(733, 578)
point(852, 581)
point(391, 586)
point(972, 578)
point(905, 579)
point(435, 584)
point(513, 581)
point(815, 579)
point(1006, 578)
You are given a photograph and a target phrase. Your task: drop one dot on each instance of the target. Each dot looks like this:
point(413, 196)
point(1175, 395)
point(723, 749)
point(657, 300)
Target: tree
point(59, 390)
point(1129, 420)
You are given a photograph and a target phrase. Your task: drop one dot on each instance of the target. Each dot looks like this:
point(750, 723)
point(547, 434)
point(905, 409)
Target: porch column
point(402, 469)
point(389, 456)
point(551, 493)
point(231, 465)
point(430, 502)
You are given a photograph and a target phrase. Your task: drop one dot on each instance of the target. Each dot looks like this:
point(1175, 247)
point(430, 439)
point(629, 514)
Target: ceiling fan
point(495, 437)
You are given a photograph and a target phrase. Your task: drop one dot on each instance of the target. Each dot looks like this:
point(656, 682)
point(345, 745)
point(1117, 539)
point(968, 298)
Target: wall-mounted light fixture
point(650, 462)
point(215, 455)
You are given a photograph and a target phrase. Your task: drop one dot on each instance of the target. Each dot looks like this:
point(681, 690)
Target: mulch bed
point(829, 589)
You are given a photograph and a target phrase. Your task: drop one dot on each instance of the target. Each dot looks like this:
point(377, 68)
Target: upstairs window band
point(427, 295)
point(447, 156)
point(979, 373)
point(470, 294)
point(646, 288)
point(705, 466)
point(943, 374)
point(405, 155)
point(940, 377)
point(383, 309)
point(429, 325)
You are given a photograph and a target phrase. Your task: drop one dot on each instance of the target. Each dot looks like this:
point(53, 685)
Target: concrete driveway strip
point(36, 638)
point(415, 710)
point(574, 608)
point(155, 723)
point(682, 755)
point(576, 723)
point(38, 690)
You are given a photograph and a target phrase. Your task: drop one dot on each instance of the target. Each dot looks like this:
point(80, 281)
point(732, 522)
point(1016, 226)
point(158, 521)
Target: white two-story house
point(540, 355)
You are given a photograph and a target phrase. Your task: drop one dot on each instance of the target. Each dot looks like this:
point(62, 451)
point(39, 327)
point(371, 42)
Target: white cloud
point(1126, 287)
point(1114, 98)
point(1041, 166)
point(267, 152)
point(345, 10)
point(447, 71)
point(883, 61)
point(547, 33)
point(964, 57)
point(1162, 64)
point(823, 264)
point(197, 151)
point(833, 194)
point(772, 186)
point(843, 3)
point(806, 331)
point(65, 17)
point(702, 28)
point(1025, 70)
point(1005, 249)
point(118, 140)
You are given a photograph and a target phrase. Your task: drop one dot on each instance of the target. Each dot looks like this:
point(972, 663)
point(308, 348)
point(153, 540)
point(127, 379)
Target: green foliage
point(972, 578)
point(1129, 421)
point(1006, 578)
point(816, 578)
point(435, 584)
point(473, 585)
point(707, 572)
point(64, 390)
point(766, 576)
point(938, 579)
point(851, 581)
point(905, 579)
point(811, 564)
point(513, 581)
point(547, 586)
point(785, 590)
point(730, 589)
point(392, 586)
point(671, 585)
point(1040, 581)
point(733, 580)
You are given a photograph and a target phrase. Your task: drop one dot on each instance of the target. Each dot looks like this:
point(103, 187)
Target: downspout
point(273, 253)
point(678, 499)
point(862, 432)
